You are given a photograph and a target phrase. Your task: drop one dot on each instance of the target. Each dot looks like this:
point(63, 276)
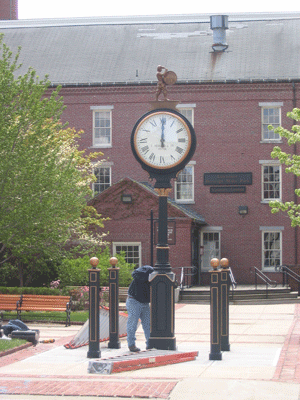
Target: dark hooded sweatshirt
point(139, 288)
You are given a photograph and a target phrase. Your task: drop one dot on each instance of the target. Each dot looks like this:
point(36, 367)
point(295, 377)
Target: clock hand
point(162, 140)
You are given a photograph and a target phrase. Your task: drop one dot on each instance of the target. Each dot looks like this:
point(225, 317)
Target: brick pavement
point(87, 386)
point(286, 371)
point(288, 366)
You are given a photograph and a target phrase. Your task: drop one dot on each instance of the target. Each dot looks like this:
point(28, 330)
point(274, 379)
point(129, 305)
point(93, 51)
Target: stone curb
point(15, 349)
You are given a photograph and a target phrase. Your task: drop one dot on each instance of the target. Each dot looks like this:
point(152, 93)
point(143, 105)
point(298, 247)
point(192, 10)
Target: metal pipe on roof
point(219, 24)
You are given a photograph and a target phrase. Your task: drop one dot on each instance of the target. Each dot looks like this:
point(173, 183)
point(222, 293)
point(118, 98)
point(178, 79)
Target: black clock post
point(163, 141)
point(162, 280)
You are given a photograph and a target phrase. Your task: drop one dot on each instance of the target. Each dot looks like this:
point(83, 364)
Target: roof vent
point(219, 24)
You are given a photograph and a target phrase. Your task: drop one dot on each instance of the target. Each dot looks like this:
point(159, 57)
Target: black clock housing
point(166, 173)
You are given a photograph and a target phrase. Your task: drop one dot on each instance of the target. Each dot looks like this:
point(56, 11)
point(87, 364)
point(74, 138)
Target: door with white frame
point(211, 242)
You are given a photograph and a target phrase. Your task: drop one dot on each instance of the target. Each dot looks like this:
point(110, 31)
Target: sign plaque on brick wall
point(228, 178)
point(228, 189)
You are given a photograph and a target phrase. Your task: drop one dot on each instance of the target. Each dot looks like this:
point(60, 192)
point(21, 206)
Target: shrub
point(74, 272)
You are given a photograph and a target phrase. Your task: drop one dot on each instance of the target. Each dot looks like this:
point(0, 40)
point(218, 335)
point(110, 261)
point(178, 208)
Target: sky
point(30, 9)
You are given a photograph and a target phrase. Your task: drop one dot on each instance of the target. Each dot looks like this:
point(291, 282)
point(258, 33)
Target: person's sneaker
point(134, 349)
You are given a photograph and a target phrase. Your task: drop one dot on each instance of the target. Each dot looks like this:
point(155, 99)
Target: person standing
point(137, 305)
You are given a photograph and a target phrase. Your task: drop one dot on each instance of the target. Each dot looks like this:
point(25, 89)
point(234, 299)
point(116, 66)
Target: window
point(187, 110)
point(270, 115)
point(211, 241)
point(132, 252)
point(184, 185)
point(103, 176)
point(102, 126)
point(271, 247)
point(271, 181)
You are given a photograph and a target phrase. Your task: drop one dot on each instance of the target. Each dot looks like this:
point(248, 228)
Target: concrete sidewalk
point(263, 363)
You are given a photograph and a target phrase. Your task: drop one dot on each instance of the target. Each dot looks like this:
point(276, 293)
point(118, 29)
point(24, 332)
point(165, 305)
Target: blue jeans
point(136, 311)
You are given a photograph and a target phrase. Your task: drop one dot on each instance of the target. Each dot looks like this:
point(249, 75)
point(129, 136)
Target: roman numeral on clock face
point(145, 149)
point(179, 150)
point(153, 123)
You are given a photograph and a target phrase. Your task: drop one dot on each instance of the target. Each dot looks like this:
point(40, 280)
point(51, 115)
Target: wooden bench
point(31, 302)
point(9, 302)
point(123, 293)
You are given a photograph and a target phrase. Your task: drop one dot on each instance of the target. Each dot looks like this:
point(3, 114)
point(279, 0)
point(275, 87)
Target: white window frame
point(271, 163)
point(104, 109)
point(184, 108)
point(270, 230)
point(102, 166)
point(264, 125)
point(191, 199)
point(127, 244)
point(210, 229)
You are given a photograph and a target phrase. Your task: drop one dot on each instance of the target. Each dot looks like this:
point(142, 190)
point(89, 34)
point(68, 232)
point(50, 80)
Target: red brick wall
point(228, 128)
point(8, 9)
point(131, 222)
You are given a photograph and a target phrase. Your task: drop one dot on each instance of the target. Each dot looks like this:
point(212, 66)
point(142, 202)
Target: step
point(236, 291)
point(242, 296)
point(276, 296)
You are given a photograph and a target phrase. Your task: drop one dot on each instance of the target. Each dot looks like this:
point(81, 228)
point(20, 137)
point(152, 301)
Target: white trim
point(212, 228)
point(271, 104)
point(139, 244)
point(102, 108)
point(192, 105)
point(110, 176)
point(271, 228)
point(192, 199)
point(266, 106)
point(263, 249)
point(269, 162)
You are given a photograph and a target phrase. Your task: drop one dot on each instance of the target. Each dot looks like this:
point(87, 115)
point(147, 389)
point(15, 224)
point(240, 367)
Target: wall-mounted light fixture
point(126, 198)
point(243, 210)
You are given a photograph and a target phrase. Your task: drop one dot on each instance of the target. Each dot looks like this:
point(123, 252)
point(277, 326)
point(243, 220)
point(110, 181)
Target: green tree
point(44, 178)
point(292, 162)
point(74, 272)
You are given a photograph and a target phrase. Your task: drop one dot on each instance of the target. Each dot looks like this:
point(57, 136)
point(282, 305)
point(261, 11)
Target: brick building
point(233, 81)
point(9, 10)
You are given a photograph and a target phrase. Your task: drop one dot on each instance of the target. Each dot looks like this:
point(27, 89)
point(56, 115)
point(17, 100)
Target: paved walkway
point(263, 364)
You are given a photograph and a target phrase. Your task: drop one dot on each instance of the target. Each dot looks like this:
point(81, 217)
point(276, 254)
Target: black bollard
point(225, 287)
point(94, 323)
point(114, 342)
point(215, 311)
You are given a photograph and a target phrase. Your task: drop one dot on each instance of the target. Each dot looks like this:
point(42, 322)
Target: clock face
point(162, 139)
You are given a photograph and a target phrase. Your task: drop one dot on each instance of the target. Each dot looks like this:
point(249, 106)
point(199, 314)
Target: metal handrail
point(184, 274)
point(232, 280)
point(286, 273)
point(263, 277)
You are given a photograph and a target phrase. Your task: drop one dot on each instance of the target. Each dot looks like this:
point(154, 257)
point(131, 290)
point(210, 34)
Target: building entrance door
point(211, 244)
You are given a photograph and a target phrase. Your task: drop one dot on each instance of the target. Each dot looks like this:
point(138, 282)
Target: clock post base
point(163, 343)
point(162, 316)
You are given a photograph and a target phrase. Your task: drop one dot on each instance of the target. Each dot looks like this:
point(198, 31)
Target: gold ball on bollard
point(113, 261)
point(94, 262)
point(224, 263)
point(214, 262)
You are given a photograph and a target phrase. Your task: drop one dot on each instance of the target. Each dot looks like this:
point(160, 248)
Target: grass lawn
point(31, 316)
point(10, 344)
